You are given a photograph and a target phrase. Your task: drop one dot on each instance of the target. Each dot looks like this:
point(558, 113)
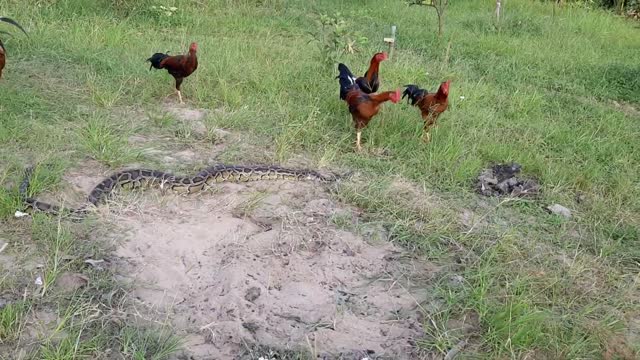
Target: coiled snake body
point(136, 178)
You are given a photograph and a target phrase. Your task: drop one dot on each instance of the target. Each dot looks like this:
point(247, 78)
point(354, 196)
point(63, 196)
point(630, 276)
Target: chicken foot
point(179, 81)
point(176, 93)
point(358, 137)
point(429, 123)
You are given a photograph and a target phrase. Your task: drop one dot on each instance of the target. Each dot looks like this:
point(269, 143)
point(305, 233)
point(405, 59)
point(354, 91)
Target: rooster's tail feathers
point(347, 80)
point(413, 93)
point(156, 60)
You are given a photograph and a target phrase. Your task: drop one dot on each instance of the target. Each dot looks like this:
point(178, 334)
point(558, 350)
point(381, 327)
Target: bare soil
point(262, 263)
point(260, 266)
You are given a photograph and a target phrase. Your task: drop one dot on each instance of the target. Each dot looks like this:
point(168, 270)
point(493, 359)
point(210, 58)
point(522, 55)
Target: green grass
point(540, 90)
point(105, 141)
point(145, 344)
point(11, 320)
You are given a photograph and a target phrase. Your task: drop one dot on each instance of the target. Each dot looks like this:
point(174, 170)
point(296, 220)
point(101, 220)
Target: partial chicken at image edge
point(3, 50)
point(2, 58)
point(178, 66)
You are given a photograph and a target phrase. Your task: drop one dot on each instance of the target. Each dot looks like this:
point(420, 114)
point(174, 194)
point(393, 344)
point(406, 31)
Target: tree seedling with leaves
point(334, 38)
point(439, 5)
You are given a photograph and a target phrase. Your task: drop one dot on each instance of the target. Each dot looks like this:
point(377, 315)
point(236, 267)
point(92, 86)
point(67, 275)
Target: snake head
point(345, 176)
point(337, 177)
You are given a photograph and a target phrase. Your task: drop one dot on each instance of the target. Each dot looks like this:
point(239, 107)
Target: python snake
point(136, 178)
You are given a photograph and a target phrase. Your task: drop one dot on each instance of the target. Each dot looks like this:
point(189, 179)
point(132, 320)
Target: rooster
point(362, 106)
point(178, 66)
point(370, 82)
point(3, 50)
point(2, 57)
point(431, 104)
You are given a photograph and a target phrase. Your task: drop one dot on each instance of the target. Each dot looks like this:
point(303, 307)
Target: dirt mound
point(261, 263)
point(503, 179)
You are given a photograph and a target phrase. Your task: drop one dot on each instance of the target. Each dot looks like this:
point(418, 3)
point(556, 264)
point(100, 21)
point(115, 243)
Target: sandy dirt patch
point(261, 263)
point(259, 266)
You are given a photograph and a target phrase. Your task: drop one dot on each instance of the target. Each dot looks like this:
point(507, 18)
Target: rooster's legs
point(358, 136)
point(429, 123)
point(179, 81)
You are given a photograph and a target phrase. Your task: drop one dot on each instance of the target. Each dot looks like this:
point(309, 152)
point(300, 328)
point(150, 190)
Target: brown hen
point(178, 66)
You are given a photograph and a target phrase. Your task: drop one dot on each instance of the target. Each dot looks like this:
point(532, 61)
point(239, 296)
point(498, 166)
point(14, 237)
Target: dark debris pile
point(503, 180)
